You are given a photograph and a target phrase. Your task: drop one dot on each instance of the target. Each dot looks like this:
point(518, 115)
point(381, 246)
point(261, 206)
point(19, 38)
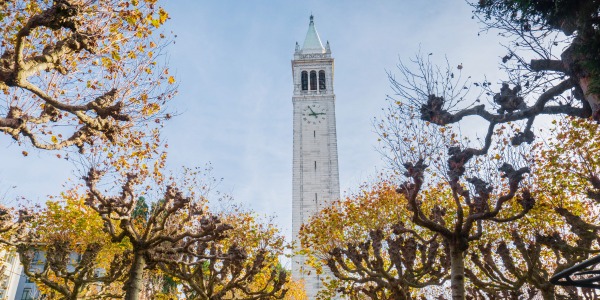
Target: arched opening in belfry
point(313, 80)
point(304, 79)
point(321, 80)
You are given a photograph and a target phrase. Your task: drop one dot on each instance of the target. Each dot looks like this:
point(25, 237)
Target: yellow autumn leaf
point(171, 79)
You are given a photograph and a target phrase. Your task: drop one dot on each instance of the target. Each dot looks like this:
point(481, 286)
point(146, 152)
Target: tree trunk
point(591, 98)
point(134, 284)
point(400, 293)
point(457, 273)
point(75, 292)
point(574, 63)
point(548, 294)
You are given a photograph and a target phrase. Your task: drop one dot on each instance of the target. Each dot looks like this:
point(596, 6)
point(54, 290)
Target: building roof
point(312, 42)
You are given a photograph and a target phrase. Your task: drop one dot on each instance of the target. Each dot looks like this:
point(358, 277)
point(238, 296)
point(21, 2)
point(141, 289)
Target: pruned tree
point(243, 265)
point(568, 172)
point(414, 263)
point(539, 80)
point(68, 256)
point(175, 225)
point(524, 267)
point(451, 189)
point(77, 72)
point(13, 224)
point(372, 249)
point(466, 213)
point(533, 27)
point(551, 68)
point(558, 233)
point(65, 275)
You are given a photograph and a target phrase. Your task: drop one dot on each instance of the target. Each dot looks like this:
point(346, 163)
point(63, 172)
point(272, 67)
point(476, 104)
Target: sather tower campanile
point(315, 179)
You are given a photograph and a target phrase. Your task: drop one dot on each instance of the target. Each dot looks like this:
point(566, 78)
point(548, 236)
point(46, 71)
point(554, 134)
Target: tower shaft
point(315, 158)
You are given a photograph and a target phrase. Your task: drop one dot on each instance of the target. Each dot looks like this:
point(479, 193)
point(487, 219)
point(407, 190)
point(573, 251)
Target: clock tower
point(315, 179)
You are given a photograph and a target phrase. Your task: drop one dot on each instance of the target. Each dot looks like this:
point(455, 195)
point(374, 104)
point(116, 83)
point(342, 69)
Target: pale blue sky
point(232, 62)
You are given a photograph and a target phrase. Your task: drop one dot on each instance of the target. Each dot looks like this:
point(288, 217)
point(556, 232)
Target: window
point(321, 80)
point(27, 295)
point(304, 78)
point(313, 80)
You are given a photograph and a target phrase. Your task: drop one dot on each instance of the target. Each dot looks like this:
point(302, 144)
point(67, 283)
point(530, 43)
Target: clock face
point(313, 114)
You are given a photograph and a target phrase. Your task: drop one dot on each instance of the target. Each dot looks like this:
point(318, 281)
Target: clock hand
point(312, 112)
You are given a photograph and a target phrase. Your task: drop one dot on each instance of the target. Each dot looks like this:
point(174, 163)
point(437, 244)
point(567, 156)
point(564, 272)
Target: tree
point(544, 85)
point(524, 264)
point(66, 253)
point(176, 225)
point(561, 230)
point(551, 68)
point(12, 224)
point(448, 186)
point(243, 265)
point(532, 21)
point(77, 72)
point(569, 171)
point(372, 249)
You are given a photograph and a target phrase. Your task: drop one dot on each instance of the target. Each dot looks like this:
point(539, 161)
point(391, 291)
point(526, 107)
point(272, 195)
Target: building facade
point(315, 158)
point(10, 274)
point(26, 289)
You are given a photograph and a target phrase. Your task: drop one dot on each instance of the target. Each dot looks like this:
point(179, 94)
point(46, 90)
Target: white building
point(27, 289)
point(315, 162)
point(10, 274)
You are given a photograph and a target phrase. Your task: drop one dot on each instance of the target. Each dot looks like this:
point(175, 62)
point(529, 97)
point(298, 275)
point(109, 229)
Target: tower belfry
point(315, 179)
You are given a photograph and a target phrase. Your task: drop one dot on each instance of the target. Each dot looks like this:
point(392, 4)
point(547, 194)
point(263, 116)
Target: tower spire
point(312, 42)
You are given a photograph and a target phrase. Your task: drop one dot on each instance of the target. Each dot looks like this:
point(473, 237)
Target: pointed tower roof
point(312, 42)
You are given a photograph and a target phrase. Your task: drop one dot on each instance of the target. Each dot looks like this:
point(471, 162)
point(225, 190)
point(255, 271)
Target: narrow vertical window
point(313, 80)
point(304, 79)
point(314, 133)
point(315, 165)
point(321, 80)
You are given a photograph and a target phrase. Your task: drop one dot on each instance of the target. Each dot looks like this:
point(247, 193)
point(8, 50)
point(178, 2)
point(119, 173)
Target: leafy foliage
point(372, 249)
point(77, 72)
point(176, 225)
point(242, 265)
point(69, 256)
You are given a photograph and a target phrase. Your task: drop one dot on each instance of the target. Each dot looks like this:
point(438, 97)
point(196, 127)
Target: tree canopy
point(77, 72)
point(551, 68)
